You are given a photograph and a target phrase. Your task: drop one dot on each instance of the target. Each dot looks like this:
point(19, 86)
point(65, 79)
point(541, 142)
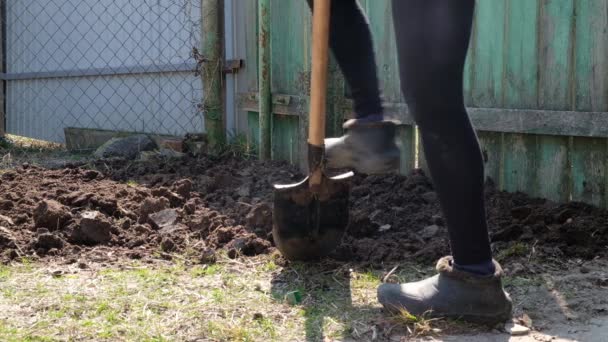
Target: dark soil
point(195, 207)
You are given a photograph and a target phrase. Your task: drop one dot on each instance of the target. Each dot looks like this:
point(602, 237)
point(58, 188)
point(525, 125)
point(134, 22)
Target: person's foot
point(452, 294)
point(368, 147)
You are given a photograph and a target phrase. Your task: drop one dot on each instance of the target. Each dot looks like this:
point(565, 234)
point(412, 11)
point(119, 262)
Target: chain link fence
point(122, 65)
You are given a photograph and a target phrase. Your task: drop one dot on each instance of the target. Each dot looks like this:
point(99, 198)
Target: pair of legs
point(432, 42)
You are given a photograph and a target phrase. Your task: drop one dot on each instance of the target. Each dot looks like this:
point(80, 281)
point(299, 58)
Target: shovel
point(311, 217)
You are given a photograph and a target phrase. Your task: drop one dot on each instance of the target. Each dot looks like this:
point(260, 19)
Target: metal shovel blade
point(309, 225)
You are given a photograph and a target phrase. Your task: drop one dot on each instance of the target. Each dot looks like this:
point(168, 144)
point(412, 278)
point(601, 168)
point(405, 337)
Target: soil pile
point(197, 206)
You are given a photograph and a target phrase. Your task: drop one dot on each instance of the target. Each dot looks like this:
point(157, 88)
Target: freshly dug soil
point(195, 207)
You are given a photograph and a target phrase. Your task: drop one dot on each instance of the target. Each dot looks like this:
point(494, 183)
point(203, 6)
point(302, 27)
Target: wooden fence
point(536, 87)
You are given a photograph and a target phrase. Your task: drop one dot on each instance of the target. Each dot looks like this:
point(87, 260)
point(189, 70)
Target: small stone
point(164, 218)
point(516, 329)
point(584, 269)
point(384, 228)
point(429, 232)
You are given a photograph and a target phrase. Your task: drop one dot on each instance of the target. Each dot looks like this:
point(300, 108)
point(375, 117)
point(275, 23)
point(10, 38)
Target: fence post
point(2, 70)
point(264, 78)
point(211, 74)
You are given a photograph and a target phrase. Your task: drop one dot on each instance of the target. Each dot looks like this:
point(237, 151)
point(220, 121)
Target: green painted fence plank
point(591, 55)
point(589, 170)
point(519, 164)
point(290, 32)
point(491, 150)
point(521, 151)
point(488, 54)
point(556, 22)
point(406, 140)
point(285, 138)
point(553, 169)
point(521, 69)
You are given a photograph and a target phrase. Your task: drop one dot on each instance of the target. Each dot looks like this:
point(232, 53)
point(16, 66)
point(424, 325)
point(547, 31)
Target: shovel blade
point(307, 225)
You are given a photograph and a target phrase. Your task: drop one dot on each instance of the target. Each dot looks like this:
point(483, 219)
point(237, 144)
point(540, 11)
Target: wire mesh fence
point(123, 65)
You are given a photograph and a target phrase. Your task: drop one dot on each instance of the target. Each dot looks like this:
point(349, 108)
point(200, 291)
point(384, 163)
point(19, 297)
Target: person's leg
point(350, 40)
point(432, 42)
point(369, 144)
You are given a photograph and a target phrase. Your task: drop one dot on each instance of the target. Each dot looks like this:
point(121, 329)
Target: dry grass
point(234, 300)
point(15, 150)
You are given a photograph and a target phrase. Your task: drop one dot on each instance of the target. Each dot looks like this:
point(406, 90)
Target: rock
point(516, 329)
point(429, 197)
point(429, 232)
point(51, 214)
point(94, 228)
point(6, 221)
point(47, 241)
point(152, 205)
point(163, 218)
point(384, 228)
point(128, 147)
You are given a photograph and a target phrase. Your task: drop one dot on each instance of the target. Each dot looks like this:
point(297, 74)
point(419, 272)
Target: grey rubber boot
point(452, 294)
point(367, 147)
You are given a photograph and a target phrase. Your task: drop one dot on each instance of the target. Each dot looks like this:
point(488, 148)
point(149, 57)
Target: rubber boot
point(367, 147)
point(452, 294)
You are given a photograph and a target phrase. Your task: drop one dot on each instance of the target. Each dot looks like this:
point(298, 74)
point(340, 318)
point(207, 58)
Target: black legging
point(432, 42)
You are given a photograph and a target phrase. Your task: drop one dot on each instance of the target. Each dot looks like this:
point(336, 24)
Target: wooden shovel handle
point(318, 82)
